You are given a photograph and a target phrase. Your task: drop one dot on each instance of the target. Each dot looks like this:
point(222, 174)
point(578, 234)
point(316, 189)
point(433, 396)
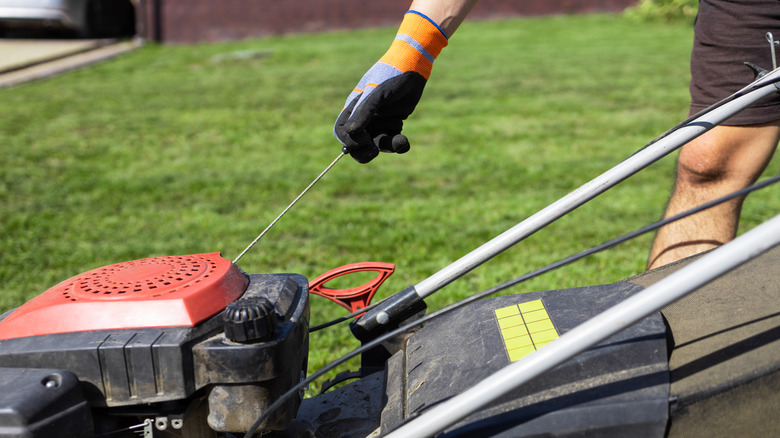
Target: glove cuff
point(417, 44)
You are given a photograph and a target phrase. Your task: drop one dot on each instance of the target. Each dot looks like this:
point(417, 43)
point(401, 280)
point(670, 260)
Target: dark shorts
point(727, 34)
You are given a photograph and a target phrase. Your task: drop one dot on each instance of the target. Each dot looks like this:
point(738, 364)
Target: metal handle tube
point(595, 330)
point(595, 187)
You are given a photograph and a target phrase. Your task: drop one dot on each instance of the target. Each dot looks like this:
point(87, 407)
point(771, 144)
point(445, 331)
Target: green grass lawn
point(182, 150)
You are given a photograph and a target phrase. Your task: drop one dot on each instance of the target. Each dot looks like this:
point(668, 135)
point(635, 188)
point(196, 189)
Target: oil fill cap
point(249, 320)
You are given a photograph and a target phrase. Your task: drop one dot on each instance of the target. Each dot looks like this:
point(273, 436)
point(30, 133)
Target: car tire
point(110, 18)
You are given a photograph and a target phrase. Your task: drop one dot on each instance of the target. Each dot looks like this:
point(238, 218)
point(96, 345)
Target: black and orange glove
point(388, 93)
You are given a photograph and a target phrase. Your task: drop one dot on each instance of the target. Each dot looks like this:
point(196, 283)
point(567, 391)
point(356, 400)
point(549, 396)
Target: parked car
point(88, 18)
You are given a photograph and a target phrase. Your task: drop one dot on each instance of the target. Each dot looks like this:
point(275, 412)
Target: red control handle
point(355, 298)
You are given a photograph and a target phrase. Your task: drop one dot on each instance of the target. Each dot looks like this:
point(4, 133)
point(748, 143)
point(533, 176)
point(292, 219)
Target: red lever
point(355, 298)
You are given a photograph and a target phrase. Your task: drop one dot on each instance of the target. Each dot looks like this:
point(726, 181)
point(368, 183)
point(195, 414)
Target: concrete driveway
point(24, 60)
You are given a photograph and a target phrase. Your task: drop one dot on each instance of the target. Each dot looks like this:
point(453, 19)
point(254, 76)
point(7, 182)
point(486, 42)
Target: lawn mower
point(193, 346)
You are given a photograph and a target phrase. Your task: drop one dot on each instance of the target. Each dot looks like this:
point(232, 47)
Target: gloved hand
point(388, 93)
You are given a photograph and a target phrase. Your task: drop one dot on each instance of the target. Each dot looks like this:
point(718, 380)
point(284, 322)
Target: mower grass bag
point(618, 388)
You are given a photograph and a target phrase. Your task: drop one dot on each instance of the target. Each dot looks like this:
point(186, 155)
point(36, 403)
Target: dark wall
point(193, 21)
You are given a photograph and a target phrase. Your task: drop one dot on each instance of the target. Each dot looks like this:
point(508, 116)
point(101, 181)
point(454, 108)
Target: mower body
point(230, 344)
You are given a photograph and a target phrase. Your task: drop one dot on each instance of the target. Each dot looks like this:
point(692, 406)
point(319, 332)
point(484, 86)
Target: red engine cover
point(171, 291)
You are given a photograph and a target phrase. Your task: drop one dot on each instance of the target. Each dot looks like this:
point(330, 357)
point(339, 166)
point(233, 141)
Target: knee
point(731, 155)
point(696, 165)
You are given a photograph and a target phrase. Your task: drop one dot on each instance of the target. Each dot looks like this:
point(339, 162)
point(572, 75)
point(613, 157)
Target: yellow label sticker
point(525, 328)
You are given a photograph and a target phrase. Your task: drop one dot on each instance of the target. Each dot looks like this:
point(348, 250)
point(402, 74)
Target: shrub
point(666, 11)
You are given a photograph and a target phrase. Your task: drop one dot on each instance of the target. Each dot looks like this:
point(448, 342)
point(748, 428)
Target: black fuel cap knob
point(249, 320)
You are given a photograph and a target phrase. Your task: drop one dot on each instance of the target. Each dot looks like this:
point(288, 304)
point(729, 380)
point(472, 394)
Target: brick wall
point(193, 21)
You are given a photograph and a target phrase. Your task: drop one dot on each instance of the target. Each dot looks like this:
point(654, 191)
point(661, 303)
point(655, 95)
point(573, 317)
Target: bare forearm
point(448, 14)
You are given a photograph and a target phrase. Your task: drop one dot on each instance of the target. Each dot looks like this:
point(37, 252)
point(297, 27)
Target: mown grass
point(181, 150)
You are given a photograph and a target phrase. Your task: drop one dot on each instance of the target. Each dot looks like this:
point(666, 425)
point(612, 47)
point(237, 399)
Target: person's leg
point(721, 161)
